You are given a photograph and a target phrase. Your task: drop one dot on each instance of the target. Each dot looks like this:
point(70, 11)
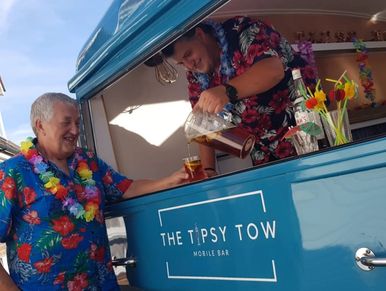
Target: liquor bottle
point(303, 142)
point(322, 140)
point(315, 117)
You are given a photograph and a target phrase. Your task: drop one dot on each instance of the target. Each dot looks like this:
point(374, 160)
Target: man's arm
point(6, 282)
point(139, 187)
point(259, 78)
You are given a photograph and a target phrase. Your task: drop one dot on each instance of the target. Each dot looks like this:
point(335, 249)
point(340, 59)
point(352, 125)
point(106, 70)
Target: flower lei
point(307, 53)
point(226, 67)
point(89, 194)
point(365, 73)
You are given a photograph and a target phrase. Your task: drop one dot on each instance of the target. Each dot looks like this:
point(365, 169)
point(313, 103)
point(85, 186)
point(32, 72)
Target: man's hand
point(212, 100)
point(259, 78)
point(177, 178)
point(6, 282)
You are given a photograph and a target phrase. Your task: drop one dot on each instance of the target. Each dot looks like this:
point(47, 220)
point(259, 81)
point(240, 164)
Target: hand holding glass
point(193, 168)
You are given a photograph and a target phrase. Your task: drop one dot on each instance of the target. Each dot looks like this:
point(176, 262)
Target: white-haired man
point(52, 198)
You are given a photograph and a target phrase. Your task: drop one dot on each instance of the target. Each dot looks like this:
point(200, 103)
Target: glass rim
point(191, 158)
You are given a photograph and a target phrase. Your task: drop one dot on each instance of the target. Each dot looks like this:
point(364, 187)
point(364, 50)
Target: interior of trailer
point(137, 120)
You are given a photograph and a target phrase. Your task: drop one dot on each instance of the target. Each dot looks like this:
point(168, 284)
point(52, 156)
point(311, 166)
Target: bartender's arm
point(6, 282)
point(259, 78)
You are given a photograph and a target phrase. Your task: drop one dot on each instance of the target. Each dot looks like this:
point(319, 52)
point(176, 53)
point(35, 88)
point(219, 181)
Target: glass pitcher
point(218, 132)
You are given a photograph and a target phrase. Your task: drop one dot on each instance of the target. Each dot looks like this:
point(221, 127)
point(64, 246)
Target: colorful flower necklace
point(365, 73)
point(88, 193)
point(307, 53)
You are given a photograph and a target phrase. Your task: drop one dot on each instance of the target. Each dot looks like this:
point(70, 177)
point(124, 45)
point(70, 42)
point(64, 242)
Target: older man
point(52, 198)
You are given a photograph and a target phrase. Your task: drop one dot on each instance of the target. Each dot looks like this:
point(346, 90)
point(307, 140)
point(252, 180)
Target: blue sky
point(39, 43)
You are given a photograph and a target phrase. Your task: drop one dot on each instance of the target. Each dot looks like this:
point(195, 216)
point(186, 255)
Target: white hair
point(42, 107)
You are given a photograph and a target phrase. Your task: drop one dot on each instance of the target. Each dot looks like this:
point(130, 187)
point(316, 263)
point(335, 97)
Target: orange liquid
point(194, 170)
point(235, 141)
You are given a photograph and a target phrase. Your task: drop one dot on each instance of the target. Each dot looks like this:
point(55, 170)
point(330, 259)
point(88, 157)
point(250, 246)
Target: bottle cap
point(296, 74)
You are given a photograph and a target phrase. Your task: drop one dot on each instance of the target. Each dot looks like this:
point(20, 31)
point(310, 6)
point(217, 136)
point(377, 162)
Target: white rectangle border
point(217, 278)
point(273, 279)
point(236, 196)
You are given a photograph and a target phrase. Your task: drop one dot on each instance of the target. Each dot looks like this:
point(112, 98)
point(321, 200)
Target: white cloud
point(20, 133)
point(35, 54)
point(5, 8)
point(25, 79)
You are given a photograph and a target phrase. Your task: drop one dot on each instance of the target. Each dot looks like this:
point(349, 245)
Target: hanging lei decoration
point(307, 53)
point(226, 67)
point(90, 193)
point(365, 74)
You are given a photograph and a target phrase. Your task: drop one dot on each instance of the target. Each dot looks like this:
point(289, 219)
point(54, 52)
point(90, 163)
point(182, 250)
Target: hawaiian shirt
point(48, 248)
point(267, 115)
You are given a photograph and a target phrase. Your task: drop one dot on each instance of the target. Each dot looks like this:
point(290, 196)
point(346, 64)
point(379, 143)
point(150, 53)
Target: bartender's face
point(197, 53)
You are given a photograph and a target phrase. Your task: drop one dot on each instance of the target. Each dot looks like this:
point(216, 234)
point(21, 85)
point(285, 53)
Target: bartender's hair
point(169, 50)
point(42, 107)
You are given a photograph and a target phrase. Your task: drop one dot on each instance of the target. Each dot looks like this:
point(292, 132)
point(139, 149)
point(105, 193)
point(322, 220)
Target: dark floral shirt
point(266, 115)
point(49, 248)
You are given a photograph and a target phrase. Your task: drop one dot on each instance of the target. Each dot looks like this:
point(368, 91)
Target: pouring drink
point(214, 131)
point(193, 168)
point(234, 141)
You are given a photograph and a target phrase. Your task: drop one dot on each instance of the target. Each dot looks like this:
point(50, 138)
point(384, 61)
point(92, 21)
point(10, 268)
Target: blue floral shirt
point(48, 247)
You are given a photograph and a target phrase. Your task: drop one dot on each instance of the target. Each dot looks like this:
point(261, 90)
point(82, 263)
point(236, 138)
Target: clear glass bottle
point(303, 142)
point(312, 115)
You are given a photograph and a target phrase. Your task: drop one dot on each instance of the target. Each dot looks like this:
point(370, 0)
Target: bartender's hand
point(212, 100)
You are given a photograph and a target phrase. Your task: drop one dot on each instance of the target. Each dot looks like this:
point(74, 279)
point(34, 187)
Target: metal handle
point(367, 261)
point(127, 262)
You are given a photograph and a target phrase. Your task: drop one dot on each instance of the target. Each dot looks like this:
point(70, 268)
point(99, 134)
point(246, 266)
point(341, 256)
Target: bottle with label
point(303, 142)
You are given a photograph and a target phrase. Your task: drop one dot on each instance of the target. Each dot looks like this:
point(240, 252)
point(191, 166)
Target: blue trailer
point(309, 223)
point(312, 222)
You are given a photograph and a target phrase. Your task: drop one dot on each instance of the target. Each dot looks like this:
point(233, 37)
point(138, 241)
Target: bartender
point(247, 63)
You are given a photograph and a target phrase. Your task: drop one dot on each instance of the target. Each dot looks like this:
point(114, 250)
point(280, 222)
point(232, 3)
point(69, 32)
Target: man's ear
point(39, 127)
point(200, 34)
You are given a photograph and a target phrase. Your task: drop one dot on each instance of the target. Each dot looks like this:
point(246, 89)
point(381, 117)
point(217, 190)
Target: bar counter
point(304, 223)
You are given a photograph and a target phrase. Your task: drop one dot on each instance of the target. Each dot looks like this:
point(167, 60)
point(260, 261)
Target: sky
point(39, 44)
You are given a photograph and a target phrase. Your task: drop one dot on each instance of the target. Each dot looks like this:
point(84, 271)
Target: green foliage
point(18, 180)
point(247, 37)
point(81, 262)
point(3, 199)
point(311, 128)
point(49, 240)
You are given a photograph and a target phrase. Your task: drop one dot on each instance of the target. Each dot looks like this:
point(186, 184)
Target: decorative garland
point(226, 68)
point(365, 74)
point(307, 53)
point(90, 195)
